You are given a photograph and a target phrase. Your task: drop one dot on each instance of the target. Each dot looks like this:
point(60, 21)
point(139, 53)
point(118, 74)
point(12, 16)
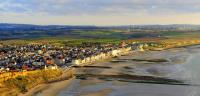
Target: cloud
point(82, 7)
point(45, 19)
point(99, 9)
point(63, 7)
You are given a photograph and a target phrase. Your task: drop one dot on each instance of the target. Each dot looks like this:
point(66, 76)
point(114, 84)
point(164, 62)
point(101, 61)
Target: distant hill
point(10, 31)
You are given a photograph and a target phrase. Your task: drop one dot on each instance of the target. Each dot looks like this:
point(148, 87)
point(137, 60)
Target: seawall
point(102, 56)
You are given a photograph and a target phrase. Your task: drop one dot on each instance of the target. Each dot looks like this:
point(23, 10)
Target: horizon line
point(93, 24)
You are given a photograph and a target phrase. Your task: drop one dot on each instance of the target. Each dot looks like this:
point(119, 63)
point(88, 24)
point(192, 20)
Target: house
point(88, 60)
point(51, 67)
point(49, 61)
point(38, 63)
point(40, 52)
point(59, 61)
point(122, 44)
point(1, 46)
point(115, 53)
point(76, 62)
point(141, 47)
point(2, 68)
point(92, 58)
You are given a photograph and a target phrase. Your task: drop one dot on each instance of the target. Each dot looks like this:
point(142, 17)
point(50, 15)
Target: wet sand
point(51, 89)
point(54, 88)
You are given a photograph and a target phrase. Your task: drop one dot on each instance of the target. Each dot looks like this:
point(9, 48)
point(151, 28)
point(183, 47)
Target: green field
point(77, 37)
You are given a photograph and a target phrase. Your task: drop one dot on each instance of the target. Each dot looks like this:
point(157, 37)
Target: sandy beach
point(109, 78)
point(109, 85)
point(51, 89)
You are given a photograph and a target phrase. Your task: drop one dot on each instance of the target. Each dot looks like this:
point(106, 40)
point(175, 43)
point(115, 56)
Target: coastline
point(52, 89)
point(101, 81)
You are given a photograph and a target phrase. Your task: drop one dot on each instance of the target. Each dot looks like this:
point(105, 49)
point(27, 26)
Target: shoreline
point(53, 89)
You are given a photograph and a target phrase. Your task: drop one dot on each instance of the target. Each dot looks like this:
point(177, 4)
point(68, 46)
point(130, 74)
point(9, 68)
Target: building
point(1, 46)
point(122, 44)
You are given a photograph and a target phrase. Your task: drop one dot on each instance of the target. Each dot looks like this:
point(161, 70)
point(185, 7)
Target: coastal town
point(46, 62)
point(37, 56)
point(99, 47)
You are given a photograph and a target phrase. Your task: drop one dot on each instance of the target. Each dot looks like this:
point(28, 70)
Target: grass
point(77, 37)
point(93, 33)
point(22, 84)
point(60, 41)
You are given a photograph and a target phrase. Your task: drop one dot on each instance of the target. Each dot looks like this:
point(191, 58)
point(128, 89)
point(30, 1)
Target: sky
point(100, 12)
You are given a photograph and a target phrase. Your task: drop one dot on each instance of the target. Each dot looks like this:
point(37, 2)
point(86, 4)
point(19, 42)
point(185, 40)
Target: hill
point(23, 31)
